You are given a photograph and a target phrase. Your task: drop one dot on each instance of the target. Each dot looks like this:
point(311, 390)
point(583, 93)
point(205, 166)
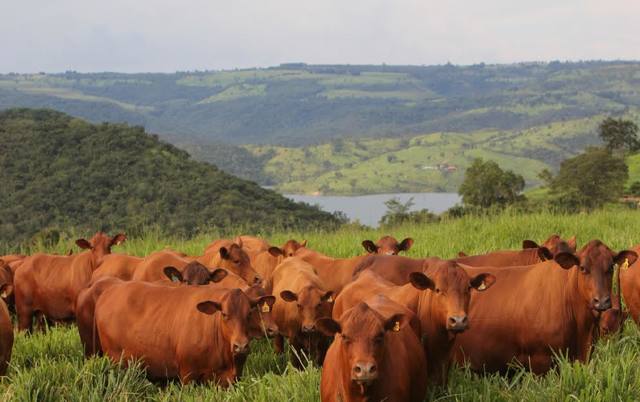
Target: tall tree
point(486, 184)
point(619, 134)
point(589, 180)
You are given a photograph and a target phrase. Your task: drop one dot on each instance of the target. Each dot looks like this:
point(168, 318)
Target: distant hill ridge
point(62, 173)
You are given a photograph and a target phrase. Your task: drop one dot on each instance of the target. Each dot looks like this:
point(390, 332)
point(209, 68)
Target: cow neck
point(221, 356)
point(582, 313)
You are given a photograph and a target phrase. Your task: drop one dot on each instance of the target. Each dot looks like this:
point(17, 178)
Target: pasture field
point(51, 366)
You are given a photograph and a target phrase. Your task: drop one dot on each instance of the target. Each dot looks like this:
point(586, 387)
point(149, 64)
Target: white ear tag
point(396, 327)
point(265, 308)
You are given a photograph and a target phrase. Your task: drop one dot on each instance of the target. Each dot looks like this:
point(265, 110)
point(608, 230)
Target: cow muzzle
point(364, 372)
point(457, 323)
point(308, 328)
point(601, 304)
point(240, 348)
point(257, 280)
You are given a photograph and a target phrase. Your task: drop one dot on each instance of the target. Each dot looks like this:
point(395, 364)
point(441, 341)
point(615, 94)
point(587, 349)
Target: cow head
point(235, 310)
point(195, 273)
point(387, 245)
point(100, 245)
point(312, 303)
point(362, 334)
point(236, 260)
point(261, 321)
point(552, 246)
point(451, 290)
point(288, 250)
point(595, 265)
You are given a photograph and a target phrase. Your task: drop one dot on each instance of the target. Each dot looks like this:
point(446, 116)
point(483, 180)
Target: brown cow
point(194, 333)
point(539, 310)
point(13, 261)
point(442, 311)
point(194, 274)
point(48, 285)
point(232, 258)
point(387, 245)
point(6, 331)
point(249, 244)
point(372, 358)
point(120, 266)
point(6, 279)
point(301, 299)
point(630, 286)
point(267, 261)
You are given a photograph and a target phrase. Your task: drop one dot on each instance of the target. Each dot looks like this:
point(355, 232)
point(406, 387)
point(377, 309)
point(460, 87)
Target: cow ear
point(209, 307)
point(627, 256)
point(482, 281)
point(288, 296)
point(544, 254)
point(405, 244)
point(303, 243)
point(462, 254)
point(421, 281)
point(328, 297)
point(396, 322)
point(529, 244)
point(224, 253)
point(118, 239)
point(83, 244)
point(370, 246)
point(572, 243)
point(275, 251)
point(238, 241)
point(5, 290)
point(328, 326)
point(173, 274)
point(566, 260)
point(217, 275)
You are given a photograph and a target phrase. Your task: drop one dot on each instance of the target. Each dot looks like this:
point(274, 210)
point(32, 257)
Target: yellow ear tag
point(330, 299)
point(626, 264)
point(482, 286)
point(266, 308)
point(396, 327)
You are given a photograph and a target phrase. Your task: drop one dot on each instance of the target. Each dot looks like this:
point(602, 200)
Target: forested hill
point(62, 173)
point(299, 104)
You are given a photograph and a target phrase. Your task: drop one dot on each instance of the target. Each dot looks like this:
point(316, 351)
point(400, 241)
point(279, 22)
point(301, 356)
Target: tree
point(589, 180)
point(619, 134)
point(399, 212)
point(486, 184)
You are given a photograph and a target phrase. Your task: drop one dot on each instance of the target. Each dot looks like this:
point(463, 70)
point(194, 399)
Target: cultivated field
point(51, 366)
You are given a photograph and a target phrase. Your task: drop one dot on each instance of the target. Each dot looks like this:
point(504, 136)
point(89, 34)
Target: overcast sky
point(159, 35)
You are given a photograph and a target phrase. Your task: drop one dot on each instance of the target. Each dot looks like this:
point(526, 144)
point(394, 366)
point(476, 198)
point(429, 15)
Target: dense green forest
point(331, 128)
point(60, 173)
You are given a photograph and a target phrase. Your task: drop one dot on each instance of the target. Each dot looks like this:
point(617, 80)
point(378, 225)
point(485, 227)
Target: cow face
point(387, 245)
point(195, 273)
point(554, 244)
point(236, 260)
point(288, 250)
point(451, 290)
point(261, 320)
point(312, 304)
point(362, 334)
point(100, 245)
point(235, 309)
point(595, 265)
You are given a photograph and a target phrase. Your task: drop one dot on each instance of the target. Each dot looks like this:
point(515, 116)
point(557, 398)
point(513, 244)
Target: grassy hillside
point(298, 104)
point(431, 162)
point(50, 367)
point(59, 172)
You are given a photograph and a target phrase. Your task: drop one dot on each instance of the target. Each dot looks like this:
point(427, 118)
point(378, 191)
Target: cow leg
point(278, 344)
point(25, 314)
point(300, 356)
point(41, 322)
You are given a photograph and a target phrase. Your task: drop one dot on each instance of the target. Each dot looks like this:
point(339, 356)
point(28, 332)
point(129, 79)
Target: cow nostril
point(465, 320)
point(452, 321)
point(373, 369)
point(358, 370)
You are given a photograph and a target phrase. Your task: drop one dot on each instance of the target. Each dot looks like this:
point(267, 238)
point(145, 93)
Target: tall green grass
point(51, 367)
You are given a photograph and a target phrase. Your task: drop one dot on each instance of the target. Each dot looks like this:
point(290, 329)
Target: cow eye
point(346, 339)
point(299, 305)
point(437, 290)
point(583, 269)
point(378, 339)
point(236, 261)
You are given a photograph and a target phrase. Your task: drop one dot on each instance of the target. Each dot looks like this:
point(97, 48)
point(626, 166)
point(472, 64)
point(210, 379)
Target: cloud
point(159, 35)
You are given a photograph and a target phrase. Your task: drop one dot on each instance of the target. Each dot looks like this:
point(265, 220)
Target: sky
point(179, 35)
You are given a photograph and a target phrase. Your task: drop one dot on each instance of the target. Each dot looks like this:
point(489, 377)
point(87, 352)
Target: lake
point(368, 209)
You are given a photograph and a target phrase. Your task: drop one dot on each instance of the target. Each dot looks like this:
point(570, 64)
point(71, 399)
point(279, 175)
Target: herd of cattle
point(383, 326)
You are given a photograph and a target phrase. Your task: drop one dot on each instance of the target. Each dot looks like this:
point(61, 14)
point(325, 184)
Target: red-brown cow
point(372, 358)
point(6, 331)
point(194, 333)
point(537, 311)
point(267, 261)
point(252, 246)
point(442, 311)
point(387, 245)
point(6, 279)
point(301, 299)
point(48, 285)
point(334, 273)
